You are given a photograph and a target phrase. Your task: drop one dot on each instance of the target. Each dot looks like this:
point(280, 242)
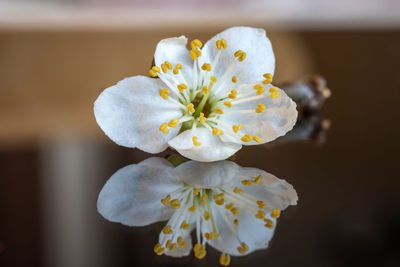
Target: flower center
point(198, 207)
point(204, 98)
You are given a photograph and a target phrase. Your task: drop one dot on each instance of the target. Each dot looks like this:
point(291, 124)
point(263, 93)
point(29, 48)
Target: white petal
point(132, 195)
point(131, 112)
point(260, 58)
point(275, 192)
point(278, 118)
point(250, 230)
point(206, 174)
point(211, 147)
point(174, 51)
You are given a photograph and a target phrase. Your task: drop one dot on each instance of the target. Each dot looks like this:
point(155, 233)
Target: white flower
point(233, 209)
point(206, 103)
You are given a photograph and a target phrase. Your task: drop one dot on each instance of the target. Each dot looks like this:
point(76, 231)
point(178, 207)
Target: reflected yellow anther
point(206, 67)
point(218, 111)
point(158, 249)
point(173, 123)
point(203, 199)
point(247, 182)
point(236, 222)
point(168, 65)
point(274, 92)
point(228, 104)
point(257, 139)
point(211, 236)
point(196, 43)
point(229, 206)
point(185, 225)
point(163, 128)
point(204, 90)
point(237, 190)
point(202, 119)
point(181, 242)
point(181, 87)
point(261, 204)
point(196, 191)
point(225, 259)
point(235, 211)
point(164, 93)
point(216, 131)
point(258, 179)
point(165, 201)
point(246, 138)
point(260, 108)
point(234, 79)
point(192, 209)
point(220, 201)
point(190, 107)
point(233, 94)
point(195, 142)
point(268, 223)
point(206, 215)
point(168, 230)
point(275, 213)
point(260, 214)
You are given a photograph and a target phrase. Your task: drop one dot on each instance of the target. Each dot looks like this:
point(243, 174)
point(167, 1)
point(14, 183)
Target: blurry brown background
point(54, 159)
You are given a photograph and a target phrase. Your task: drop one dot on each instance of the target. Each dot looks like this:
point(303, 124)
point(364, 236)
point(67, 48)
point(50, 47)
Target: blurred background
point(57, 56)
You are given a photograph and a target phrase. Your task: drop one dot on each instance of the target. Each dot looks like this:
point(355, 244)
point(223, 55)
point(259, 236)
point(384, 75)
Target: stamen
point(228, 104)
point(247, 182)
point(206, 215)
point(203, 199)
point(165, 201)
point(237, 190)
point(246, 138)
point(221, 44)
point(268, 223)
point(196, 191)
point(180, 242)
point(261, 204)
point(153, 71)
point(190, 107)
point(181, 87)
point(158, 249)
point(177, 68)
point(202, 119)
point(192, 208)
point(218, 111)
point(184, 225)
point(257, 139)
point(275, 213)
point(236, 222)
point(167, 230)
point(229, 206)
point(196, 43)
point(164, 68)
point(168, 65)
point(260, 108)
point(211, 236)
point(199, 251)
point(258, 179)
point(216, 131)
point(173, 123)
point(194, 139)
point(235, 211)
point(240, 55)
point(233, 94)
point(274, 92)
point(163, 128)
point(206, 67)
point(236, 128)
point(164, 93)
point(234, 79)
point(260, 214)
point(268, 78)
point(204, 90)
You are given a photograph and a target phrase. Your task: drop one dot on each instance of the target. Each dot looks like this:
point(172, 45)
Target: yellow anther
point(274, 95)
point(247, 182)
point(181, 242)
point(218, 44)
point(258, 179)
point(223, 43)
point(176, 206)
point(206, 215)
point(220, 201)
point(225, 259)
point(258, 87)
point(155, 68)
point(260, 108)
point(168, 230)
point(158, 249)
point(168, 65)
point(211, 236)
point(163, 128)
point(174, 201)
point(260, 214)
point(274, 92)
point(181, 87)
point(238, 53)
point(244, 246)
point(268, 223)
point(165, 201)
point(206, 67)
point(233, 94)
point(237, 190)
point(241, 250)
point(173, 123)
point(198, 52)
point(195, 142)
point(185, 225)
point(202, 119)
point(234, 79)
point(267, 76)
point(216, 131)
point(204, 90)
point(193, 54)
point(229, 206)
point(246, 138)
point(257, 139)
point(213, 79)
point(164, 93)
point(275, 213)
point(200, 254)
point(192, 209)
point(260, 91)
point(228, 104)
point(196, 191)
point(152, 73)
point(242, 57)
point(196, 43)
point(236, 128)
point(235, 211)
point(198, 247)
point(164, 68)
point(236, 222)
point(190, 107)
point(261, 204)
point(218, 196)
point(218, 111)
point(203, 199)
point(177, 68)
point(175, 71)
point(172, 246)
point(267, 81)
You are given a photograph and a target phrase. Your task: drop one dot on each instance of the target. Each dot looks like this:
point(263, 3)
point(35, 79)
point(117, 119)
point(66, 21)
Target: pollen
point(211, 236)
point(192, 209)
point(158, 249)
point(224, 259)
point(190, 107)
point(195, 142)
point(237, 128)
point(233, 94)
point(257, 139)
point(260, 214)
point(167, 230)
point(218, 111)
point(275, 213)
point(181, 87)
point(173, 123)
point(260, 108)
point(247, 182)
point(268, 223)
point(234, 79)
point(246, 138)
point(185, 225)
point(261, 204)
point(164, 93)
point(165, 201)
point(228, 104)
point(204, 90)
point(202, 119)
point(206, 67)
point(163, 128)
point(180, 242)
point(237, 190)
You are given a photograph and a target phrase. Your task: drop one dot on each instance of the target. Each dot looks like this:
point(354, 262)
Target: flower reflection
point(232, 208)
